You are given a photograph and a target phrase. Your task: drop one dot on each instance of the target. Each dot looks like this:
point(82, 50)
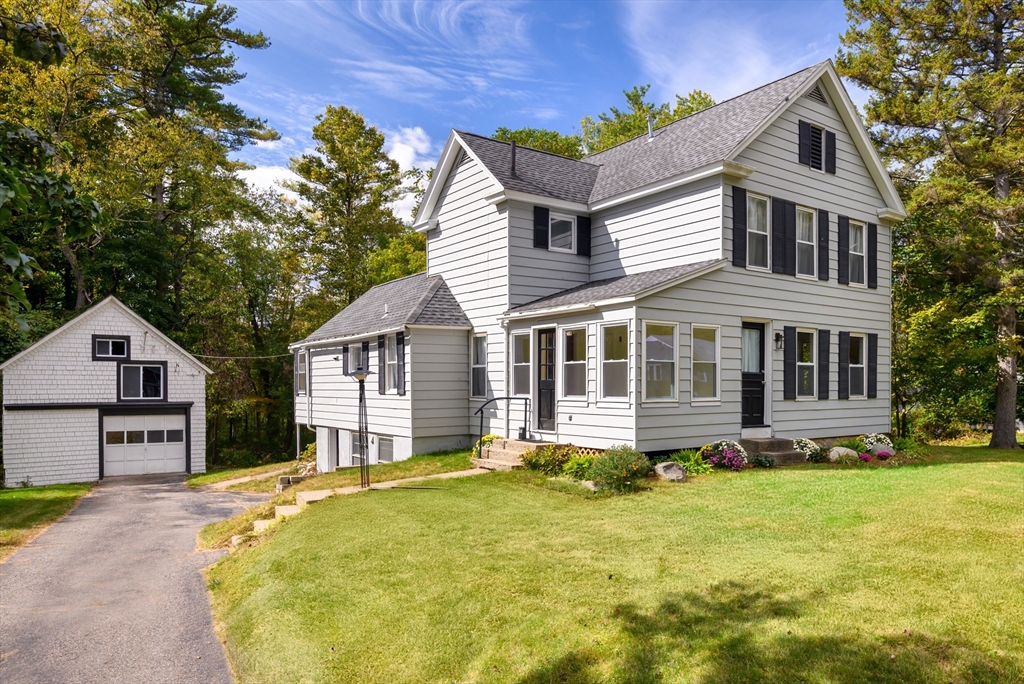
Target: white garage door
point(136, 445)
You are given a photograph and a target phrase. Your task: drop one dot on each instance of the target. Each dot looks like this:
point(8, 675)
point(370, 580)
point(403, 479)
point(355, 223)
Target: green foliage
point(762, 461)
point(550, 459)
point(856, 444)
point(621, 469)
point(691, 461)
point(34, 41)
point(309, 453)
point(578, 466)
point(618, 126)
point(542, 139)
point(482, 443)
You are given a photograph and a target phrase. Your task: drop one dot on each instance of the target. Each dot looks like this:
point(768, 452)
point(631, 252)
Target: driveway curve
point(113, 592)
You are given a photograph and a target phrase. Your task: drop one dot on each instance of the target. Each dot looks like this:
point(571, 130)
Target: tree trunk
point(81, 296)
point(1004, 424)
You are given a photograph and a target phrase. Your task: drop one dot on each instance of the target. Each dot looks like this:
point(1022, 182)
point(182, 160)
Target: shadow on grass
point(728, 634)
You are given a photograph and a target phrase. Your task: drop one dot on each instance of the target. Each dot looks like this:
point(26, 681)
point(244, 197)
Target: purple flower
point(865, 457)
point(883, 455)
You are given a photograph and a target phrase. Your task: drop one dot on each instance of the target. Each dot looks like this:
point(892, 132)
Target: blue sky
point(418, 69)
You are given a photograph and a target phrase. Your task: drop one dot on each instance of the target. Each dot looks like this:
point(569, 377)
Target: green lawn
point(809, 574)
point(25, 512)
point(214, 476)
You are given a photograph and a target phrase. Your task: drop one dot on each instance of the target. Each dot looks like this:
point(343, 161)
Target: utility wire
point(207, 356)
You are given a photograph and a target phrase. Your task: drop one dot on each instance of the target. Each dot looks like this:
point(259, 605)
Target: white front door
point(137, 445)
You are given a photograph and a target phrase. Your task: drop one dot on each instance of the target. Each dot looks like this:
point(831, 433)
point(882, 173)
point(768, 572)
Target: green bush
point(818, 455)
point(309, 453)
point(550, 458)
point(691, 461)
point(620, 469)
point(856, 444)
point(762, 461)
point(578, 467)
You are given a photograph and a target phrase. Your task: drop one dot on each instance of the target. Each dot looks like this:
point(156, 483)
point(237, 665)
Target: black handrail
point(526, 412)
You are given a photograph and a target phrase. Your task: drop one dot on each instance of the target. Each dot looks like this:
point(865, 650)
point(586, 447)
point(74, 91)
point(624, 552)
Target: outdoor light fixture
point(779, 339)
point(360, 375)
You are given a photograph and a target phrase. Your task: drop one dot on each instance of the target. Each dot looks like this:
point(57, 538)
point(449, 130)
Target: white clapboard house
point(724, 276)
point(105, 394)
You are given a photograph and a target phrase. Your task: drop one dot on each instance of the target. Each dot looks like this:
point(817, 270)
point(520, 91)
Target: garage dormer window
point(110, 348)
point(145, 382)
point(562, 233)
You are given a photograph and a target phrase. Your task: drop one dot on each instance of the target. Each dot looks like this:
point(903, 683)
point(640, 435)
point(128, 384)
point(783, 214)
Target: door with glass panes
point(753, 375)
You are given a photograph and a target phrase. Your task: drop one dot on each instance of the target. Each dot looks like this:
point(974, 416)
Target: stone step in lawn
point(281, 512)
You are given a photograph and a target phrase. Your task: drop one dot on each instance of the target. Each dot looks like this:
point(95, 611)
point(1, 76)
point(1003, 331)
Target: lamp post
point(363, 428)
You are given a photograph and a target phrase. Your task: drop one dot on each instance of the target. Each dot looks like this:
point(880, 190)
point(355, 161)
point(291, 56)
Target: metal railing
point(523, 431)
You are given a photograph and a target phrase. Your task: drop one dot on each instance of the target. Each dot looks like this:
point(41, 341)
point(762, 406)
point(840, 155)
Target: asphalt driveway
point(113, 592)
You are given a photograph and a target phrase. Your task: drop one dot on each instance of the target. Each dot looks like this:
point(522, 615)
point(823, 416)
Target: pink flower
point(883, 455)
point(865, 457)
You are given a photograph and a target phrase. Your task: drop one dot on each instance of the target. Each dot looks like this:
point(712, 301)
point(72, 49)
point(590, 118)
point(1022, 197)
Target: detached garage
point(106, 394)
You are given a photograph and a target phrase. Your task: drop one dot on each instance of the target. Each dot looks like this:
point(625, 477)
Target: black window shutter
point(382, 365)
point(805, 143)
point(583, 235)
point(789, 363)
point(401, 363)
point(823, 229)
point(830, 152)
point(790, 266)
point(844, 364)
point(778, 235)
point(540, 227)
point(872, 365)
point(844, 250)
point(872, 255)
point(824, 349)
point(739, 227)
point(344, 360)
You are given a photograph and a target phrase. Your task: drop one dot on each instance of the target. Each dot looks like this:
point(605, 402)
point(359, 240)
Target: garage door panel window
point(142, 382)
point(175, 436)
point(115, 437)
point(135, 437)
point(154, 436)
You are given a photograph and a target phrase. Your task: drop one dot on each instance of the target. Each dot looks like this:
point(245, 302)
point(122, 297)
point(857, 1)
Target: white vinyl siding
point(704, 368)
point(439, 390)
point(534, 272)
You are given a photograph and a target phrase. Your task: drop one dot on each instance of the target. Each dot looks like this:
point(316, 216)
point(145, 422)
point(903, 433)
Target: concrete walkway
point(221, 486)
point(113, 592)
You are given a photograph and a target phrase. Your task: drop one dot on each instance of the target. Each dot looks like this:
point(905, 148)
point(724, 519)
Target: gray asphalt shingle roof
point(417, 299)
point(706, 137)
point(612, 288)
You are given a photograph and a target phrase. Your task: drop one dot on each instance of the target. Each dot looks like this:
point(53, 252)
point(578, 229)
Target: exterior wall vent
point(816, 95)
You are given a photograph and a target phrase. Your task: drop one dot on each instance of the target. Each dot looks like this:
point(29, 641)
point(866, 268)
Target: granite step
point(490, 464)
point(281, 512)
point(785, 458)
point(766, 445)
point(261, 525)
point(518, 446)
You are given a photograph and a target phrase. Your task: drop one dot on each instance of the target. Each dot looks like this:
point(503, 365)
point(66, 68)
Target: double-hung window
point(562, 233)
point(391, 349)
point(574, 363)
point(705, 363)
point(614, 361)
point(385, 449)
point(857, 242)
point(358, 360)
point(757, 231)
point(857, 368)
point(806, 245)
point(659, 361)
point(142, 381)
point(300, 373)
point(521, 364)
point(805, 375)
point(479, 366)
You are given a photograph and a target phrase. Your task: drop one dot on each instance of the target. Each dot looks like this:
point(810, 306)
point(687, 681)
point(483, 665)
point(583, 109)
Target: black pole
point(364, 438)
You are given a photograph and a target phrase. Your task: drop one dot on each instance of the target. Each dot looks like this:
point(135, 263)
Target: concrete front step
point(303, 499)
point(281, 512)
point(261, 525)
point(492, 454)
point(766, 445)
point(784, 458)
point(518, 446)
point(490, 464)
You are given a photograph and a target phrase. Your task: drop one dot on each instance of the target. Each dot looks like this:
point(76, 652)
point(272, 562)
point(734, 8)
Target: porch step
point(518, 446)
point(261, 525)
point(281, 512)
point(784, 458)
point(780, 449)
point(490, 464)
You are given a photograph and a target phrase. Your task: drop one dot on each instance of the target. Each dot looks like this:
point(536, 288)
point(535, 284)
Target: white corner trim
point(888, 214)
point(727, 168)
point(528, 198)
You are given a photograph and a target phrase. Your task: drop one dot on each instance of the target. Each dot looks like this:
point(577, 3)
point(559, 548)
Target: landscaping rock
point(589, 484)
point(673, 472)
point(837, 452)
point(879, 448)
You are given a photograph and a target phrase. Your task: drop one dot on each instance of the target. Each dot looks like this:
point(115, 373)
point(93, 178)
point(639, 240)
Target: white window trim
point(560, 375)
point(303, 371)
point(717, 399)
point(110, 341)
point(850, 252)
point(562, 217)
point(600, 362)
point(528, 363)
point(388, 363)
point(643, 364)
point(813, 364)
point(140, 365)
point(472, 365)
point(813, 243)
point(768, 233)
point(863, 364)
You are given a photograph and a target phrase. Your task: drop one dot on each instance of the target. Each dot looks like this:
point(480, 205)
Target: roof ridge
point(526, 147)
point(708, 109)
point(428, 295)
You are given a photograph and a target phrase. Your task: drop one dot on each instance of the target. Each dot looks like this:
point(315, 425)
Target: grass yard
point(25, 512)
point(802, 574)
point(214, 476)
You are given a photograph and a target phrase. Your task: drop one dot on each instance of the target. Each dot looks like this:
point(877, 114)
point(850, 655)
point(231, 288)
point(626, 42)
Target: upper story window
point(300, 373)
point(615, 361)
point(659, 361)
point(110, 347)
point(478, 380)
point(857, 270)
point(574, 363)
point(142, 381)
point(521, 364)
point(562, 233)
point(757, 232)
point(806, 243)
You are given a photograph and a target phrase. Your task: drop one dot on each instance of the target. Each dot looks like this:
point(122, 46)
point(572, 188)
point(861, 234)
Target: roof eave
point(504, 195)
point(326, 342)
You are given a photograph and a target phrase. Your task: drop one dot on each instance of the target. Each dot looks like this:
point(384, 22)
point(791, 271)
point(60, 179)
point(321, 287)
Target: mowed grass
point(25, 512)
point(214, 476)
point(815, 574)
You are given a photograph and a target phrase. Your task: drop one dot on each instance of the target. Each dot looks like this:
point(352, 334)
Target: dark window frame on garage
point(152, 400)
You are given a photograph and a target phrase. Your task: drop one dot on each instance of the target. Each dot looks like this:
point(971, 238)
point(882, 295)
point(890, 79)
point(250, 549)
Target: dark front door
point(753, 374)
point(546, 379)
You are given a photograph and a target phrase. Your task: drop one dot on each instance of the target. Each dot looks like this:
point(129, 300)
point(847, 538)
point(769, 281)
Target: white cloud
point(269, 178)
point(410, 147)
